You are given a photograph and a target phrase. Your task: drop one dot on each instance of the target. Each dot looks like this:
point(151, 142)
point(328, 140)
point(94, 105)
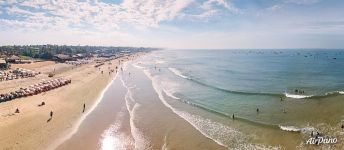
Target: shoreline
point(82, 118)
point(76, 127)
point(130, 118)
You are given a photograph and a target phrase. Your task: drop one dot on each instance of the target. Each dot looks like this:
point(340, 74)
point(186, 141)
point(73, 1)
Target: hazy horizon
point(175, 24)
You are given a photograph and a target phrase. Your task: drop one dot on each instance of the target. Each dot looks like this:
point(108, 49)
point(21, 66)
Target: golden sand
point(29, 129)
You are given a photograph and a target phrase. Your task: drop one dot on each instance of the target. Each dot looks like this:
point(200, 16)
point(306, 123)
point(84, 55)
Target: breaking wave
point(290, 128)
point(285, 94)
point(178, 73)
point(305, 130)
point(297, 96)
point(219, 133)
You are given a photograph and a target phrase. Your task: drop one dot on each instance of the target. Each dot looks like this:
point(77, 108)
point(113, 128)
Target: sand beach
point(30, 128)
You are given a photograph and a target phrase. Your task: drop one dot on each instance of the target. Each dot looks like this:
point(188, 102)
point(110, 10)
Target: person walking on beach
point(17, 111)
point(84, 108)
point(51, 114)
point(342, 126)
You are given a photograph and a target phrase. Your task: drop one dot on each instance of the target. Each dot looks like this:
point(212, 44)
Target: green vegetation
point(48, 51)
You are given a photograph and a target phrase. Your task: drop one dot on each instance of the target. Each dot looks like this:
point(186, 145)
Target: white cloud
point(269, 10)
point(92, 15)
point(142, 23)
point(101, 17)
point(274, 8)
point(151, 12)
point(14, 10)
point(302, 2)
point(74, 20)
point(210, 8)
point(209, 5)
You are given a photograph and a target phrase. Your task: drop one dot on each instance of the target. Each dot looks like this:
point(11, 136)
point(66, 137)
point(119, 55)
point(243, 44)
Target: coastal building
point(3, 64)
point(13, 59)
point(79, 56)
point(106, 55)
point(62, 58)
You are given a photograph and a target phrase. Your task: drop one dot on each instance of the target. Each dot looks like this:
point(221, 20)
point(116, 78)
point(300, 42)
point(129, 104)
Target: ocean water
point(224, 83)
point(185, 99)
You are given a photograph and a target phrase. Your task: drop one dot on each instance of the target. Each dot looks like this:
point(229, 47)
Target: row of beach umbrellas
point(35, 89)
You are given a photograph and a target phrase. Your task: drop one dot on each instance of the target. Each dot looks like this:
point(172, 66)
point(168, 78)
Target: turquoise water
point(227, 82)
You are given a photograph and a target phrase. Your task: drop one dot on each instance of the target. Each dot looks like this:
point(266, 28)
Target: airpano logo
point(321, 140)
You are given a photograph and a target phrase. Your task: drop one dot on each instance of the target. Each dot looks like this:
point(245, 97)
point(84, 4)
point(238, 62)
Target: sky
point(182, 24)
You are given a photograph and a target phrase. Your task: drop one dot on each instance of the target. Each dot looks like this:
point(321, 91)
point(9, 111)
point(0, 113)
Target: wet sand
point(101, 118)
point(135, 119)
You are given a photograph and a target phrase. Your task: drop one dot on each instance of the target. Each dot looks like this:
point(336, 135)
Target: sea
point(287, 90)
point(222, 99)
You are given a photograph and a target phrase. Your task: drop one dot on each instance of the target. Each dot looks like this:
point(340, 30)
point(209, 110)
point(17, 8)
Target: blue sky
point(175, 23)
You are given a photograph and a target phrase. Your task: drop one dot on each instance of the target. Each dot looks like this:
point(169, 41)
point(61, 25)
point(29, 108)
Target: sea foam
point(178, 73)
point(219, 133)
point(132, 106)
point(297, 96)
point(305, 130)
point(290, 128)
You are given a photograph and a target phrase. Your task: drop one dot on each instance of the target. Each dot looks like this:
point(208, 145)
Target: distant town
point(21, 54)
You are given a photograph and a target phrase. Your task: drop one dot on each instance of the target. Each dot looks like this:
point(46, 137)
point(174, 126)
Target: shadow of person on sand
point(51, 116)
point(42, 104)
